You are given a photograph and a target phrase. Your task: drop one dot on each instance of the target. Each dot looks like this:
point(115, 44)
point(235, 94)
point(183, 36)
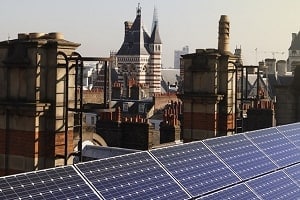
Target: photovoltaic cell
point(195, 167)
point(292, 132)
point(237, 192)
point(276, 146)
point(276, 185)
point(131, 176)
point(56, 183)
point(294, 172)
point(241, 155)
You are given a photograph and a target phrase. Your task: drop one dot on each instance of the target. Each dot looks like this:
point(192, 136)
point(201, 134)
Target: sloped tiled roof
point(155, 37)
point(136, 40)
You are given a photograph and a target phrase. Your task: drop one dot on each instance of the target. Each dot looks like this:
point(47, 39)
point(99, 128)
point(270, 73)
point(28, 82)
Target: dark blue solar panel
point(195, 167)
point(241, 155)
point(276, 185)
point(292, 132)
point(131, 176)
point(57, 183)
point(238, 192)
point(294, 172)
point(276, 146)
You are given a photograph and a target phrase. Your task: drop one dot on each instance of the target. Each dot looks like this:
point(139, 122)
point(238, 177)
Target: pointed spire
point(155, 37)
point(155, 19)
point(138, 10)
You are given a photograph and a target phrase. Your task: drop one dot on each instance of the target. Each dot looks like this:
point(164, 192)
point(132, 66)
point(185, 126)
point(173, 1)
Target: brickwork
point(32, 105)
point(160, 100)
point(93, 96)
point(60, 143)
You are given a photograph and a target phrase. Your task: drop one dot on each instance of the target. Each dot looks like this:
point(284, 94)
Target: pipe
point(105, 84)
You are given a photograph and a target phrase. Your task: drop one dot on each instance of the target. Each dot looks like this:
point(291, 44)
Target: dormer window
point(125, 107)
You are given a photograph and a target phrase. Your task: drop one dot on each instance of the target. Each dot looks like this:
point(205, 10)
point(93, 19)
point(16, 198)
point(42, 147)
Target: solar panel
point(131, 176)
point(56, 183)
point(276, 185)
point(241, 155)
point(276, 146)
point(195, 167)
point(292, 132)
point(238, 192)
point(294, 172)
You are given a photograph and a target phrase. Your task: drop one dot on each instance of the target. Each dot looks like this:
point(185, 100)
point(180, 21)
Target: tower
point(139, 58)
point(155, 63)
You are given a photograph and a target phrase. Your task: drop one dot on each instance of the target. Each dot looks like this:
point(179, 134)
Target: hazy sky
point(98, 25)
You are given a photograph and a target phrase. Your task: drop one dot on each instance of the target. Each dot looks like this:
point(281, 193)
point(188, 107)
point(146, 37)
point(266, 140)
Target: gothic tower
point(139, 58)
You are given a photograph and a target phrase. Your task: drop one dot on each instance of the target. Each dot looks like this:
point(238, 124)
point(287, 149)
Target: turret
point(155, 40)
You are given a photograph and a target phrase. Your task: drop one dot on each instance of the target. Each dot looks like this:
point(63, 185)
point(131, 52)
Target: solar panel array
point(195, 167)
point(135, 176)
point(262, 164)
point(55, 183)
point(241, 155)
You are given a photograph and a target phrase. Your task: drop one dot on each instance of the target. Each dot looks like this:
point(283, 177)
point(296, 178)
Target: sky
point(262, 28)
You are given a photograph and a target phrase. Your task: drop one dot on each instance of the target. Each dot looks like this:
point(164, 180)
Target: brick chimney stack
point(223, 42)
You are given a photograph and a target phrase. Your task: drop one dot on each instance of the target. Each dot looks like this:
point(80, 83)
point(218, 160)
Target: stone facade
point(32, 102)
point(209, 90)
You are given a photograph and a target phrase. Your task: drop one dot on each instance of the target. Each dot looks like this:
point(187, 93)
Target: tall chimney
point(224, 25)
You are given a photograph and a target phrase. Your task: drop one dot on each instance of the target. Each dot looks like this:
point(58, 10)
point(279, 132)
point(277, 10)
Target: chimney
point(224, 25)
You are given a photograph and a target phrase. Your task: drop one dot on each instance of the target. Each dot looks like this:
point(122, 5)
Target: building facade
point(139, 58)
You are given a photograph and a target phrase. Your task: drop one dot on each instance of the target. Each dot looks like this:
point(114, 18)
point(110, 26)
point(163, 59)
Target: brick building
point(33, 101)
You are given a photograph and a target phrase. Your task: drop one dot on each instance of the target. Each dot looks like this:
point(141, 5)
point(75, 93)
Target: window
point(93, 120)
point(125, 107)
point(141, 108)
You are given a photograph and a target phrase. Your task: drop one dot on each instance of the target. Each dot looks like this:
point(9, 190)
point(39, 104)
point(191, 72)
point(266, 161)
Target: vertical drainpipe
point(7, 140)
point(109, 84)
point(192, 117)
point(235, 100)
point(105, 84)
point(80, 112)
point(7, 132)
point(257, 89)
